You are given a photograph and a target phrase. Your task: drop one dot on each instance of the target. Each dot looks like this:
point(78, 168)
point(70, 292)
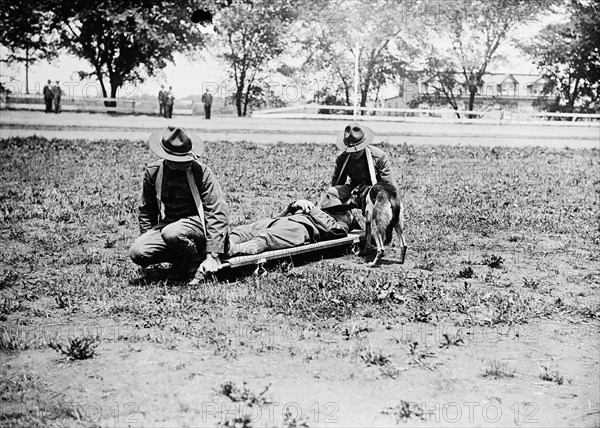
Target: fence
point(311, 111)
point(95, 105)
point(319, 111)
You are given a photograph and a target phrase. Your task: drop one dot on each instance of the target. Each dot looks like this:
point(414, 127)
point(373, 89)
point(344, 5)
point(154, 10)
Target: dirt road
point(104, 126)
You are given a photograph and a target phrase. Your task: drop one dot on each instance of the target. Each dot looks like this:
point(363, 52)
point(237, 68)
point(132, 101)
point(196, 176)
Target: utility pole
point(27, 71)
point(356, 54)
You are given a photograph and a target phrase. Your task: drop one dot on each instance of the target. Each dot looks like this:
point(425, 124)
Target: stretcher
point(353, 238)
point(239, 261)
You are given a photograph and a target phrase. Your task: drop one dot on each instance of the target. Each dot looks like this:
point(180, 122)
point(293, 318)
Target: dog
point(384, 212)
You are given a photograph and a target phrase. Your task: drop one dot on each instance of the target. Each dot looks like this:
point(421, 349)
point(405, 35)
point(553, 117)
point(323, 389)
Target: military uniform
point(183, 215)
point(350, 173)
point(291, 230)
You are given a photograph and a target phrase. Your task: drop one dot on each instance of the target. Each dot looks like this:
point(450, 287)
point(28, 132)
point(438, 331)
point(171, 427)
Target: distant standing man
point(161, 101)
point(48, 96)
point(169, 101)
point(207, 99)
point(57, 93)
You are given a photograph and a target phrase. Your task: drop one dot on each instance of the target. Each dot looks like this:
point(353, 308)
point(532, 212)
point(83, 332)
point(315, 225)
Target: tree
point(383, 52)
point(332, 61)
point(440, 74)
point(26, 33)
point(477, 28)
point(124, 40)
point(569, 55)
point(250, 34)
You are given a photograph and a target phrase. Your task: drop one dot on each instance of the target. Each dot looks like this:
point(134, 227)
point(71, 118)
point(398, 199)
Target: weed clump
point(373, 357)
point(452, 339)
point(13, 340)
point(243, 394)
point(419, 356)
point(405, 410)
point(498, 370)
point(466, 273)
point(78, 348)
point(550, 375)
point(493, 261)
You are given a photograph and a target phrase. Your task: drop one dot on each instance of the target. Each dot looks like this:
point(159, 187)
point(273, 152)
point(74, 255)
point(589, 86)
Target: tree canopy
point(569, 55)
point(249, 35)
point(25, 31)
point(124, 40)
point(384, 51)
point(477, 28)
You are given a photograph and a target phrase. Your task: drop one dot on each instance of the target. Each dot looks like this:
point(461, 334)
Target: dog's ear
point(352, 203)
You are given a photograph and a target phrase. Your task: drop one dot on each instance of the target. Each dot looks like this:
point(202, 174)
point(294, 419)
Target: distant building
point(514, 92)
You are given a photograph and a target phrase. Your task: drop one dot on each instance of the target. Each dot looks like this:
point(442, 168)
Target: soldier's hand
point(210, 264)
point(304, 205)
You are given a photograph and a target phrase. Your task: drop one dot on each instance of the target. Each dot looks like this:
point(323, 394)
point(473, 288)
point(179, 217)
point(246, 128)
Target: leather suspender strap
point(196, 195)
point(337, 180)
point(371, 166)
point(158, 186)
point(193, 188)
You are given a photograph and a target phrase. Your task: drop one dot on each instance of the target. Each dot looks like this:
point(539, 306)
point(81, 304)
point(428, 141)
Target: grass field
point(493, 320)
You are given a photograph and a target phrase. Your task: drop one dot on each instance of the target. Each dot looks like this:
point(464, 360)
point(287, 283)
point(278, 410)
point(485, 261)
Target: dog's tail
point(396, 214)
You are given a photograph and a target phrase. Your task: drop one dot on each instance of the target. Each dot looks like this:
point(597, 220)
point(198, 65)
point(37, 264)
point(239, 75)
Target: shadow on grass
point(164, 273)
point(282, 265)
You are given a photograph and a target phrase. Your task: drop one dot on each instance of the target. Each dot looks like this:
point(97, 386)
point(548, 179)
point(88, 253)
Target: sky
point(186, 76)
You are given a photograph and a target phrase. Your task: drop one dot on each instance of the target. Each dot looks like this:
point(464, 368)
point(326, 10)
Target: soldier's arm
point(337, 173)
point(383, 170)
point(216, 212)
point(329, 227)
point(148, 209)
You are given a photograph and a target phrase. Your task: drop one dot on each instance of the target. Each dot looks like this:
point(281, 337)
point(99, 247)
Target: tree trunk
point(246, 100)
point(113, 94)
point(238, 101)
point(450, 99)
point(573, 96)
point(364, 93)
point(363, 98)
point(347, 94)
point(472, 93)
point(239, 91)
point(104, 94)
point(456, 112)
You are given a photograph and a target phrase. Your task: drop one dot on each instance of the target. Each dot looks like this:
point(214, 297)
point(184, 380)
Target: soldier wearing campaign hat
point(183, 216)
point(358, 164)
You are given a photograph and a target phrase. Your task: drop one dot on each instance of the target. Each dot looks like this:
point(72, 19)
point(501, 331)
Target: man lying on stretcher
point(301, 223)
